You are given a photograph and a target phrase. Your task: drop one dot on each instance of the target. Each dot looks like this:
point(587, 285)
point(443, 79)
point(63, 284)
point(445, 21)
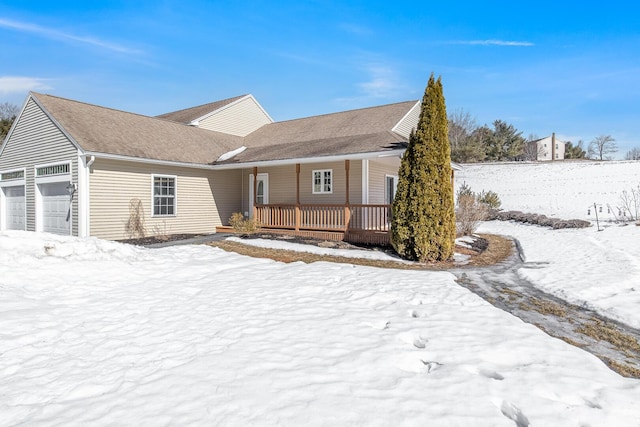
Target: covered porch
point(352, 222)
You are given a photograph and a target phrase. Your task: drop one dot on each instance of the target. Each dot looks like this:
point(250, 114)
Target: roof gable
point(236, 116)
point(191, 114)
point(48, 132)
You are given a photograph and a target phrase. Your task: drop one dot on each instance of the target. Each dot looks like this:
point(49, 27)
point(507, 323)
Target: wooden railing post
point(347, 210)
point(297, 224)
point(347, 218)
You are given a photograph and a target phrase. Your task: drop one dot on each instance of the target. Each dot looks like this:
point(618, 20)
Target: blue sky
point(543, 66)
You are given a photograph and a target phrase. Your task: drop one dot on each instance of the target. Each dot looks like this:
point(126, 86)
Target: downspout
point(87, 202)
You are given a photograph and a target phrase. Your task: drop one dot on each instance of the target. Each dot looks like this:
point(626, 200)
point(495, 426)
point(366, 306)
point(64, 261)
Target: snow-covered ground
point(596, 269)
point(100, 333)
point(563, 189)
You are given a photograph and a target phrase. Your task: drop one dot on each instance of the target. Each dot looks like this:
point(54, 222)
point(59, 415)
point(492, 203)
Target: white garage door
point(15, 207)
point(56, 217)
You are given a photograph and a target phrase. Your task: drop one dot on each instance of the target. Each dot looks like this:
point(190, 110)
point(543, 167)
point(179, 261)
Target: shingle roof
point(190, 114)
point(365, 121)
point(336, 146)
point(349, 132)
point(104, 130)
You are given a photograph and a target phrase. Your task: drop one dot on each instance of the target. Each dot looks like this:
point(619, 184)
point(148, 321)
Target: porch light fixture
point(71, 188)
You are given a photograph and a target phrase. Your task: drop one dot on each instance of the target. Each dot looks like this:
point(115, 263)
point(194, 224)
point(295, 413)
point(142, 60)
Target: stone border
point(536, 219)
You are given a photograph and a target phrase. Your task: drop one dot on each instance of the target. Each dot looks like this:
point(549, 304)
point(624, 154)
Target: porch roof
point(326, 147)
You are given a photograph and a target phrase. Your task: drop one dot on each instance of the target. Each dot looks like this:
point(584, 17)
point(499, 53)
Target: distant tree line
point(471, 143)
point(8, 113)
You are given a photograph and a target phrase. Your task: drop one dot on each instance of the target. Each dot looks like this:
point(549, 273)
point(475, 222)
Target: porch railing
point(354, 217)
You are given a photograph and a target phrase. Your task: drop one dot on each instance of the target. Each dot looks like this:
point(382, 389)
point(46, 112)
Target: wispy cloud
point(60, 35)
point(13, 84)
point(491, 42)
point(382, 82)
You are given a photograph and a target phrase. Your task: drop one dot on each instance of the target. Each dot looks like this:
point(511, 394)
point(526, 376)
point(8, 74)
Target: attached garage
point(14, 208)
point(56, 208)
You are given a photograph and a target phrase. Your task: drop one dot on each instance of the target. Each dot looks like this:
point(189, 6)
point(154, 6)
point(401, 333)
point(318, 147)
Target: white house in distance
point(547, 149)
point(73, 168)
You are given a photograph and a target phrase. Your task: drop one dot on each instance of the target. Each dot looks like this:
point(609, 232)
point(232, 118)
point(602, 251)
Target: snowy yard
point(100, 333)
point(565, 190)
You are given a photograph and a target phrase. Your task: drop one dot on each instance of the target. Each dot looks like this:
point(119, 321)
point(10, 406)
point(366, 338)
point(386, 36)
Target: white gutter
point(148, 161)
point(264, 163)
point(358, 156)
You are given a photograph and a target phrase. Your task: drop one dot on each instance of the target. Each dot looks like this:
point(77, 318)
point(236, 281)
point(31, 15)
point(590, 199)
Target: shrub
point(469, 214)
point(242, 224)
point(464, 190)
point(630, 204)
point(490, 198)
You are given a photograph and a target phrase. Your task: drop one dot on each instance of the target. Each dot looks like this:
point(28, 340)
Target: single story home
point(73, 168)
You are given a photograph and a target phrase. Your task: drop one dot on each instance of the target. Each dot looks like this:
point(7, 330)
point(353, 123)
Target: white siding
point(282, 184)
point(408, 122)
point(205, 199)
point(378, 171)
point(36, 140)
point(239, 118)
point(545, 149)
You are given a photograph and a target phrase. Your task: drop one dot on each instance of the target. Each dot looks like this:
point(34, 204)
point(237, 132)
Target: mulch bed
point(483, 251)
point(144, 241)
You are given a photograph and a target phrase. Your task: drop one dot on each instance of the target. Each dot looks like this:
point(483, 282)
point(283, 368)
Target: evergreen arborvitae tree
point(424, 225)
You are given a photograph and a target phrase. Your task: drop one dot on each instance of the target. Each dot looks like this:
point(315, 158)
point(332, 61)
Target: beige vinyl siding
point(204, 199)
point(282, 184)
point(240, 118)
point(408, 122)
point(36, 140)
point(378, 171)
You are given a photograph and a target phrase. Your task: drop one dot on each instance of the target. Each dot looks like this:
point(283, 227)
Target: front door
point(262, 191)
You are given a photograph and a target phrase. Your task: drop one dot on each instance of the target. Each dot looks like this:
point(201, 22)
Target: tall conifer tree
point(424, 225)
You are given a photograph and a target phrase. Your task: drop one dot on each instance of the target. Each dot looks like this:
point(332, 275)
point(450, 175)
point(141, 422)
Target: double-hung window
point(164, 195)
point(323, 181)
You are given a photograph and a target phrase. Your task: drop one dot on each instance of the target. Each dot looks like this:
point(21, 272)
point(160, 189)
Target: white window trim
point(46, 165)
point(313, 178)
point(175, 196)
point(16, 181)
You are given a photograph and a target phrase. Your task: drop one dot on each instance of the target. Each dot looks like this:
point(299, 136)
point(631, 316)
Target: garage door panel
point(15, 207)
point(55, 208)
